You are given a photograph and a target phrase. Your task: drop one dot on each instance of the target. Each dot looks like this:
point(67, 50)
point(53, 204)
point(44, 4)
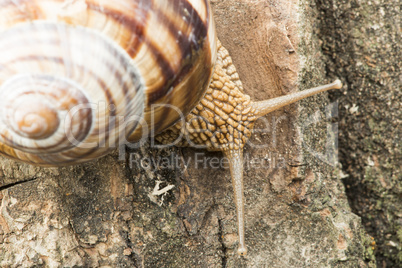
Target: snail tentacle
point(265, 107)
point(235, 158)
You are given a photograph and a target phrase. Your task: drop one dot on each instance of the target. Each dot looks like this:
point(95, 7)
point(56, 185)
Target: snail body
point(100, 73)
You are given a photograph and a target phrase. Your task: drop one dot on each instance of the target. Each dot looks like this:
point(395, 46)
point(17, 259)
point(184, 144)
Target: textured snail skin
point(91, 64)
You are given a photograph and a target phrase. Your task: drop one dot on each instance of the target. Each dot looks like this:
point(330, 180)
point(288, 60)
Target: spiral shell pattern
point(55, 97)
point(79, 78)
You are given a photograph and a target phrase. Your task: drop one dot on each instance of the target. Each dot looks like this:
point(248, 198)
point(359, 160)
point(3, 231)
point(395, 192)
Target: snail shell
point(79, 78)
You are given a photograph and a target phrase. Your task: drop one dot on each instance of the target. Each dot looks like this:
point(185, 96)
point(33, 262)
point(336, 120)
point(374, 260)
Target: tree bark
point(362, 41)
point(174, 207)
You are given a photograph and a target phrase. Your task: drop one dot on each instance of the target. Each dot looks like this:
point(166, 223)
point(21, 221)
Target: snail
point(80, 78)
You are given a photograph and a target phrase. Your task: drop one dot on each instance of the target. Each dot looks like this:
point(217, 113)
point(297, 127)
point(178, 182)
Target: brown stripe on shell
point(135, 23)
point(135, 18)
point(191, 81)
point(137, 28)
point(200, 30)
point(186, 44)
point(189, 47)
point(194, 22)
point(167, 72)
point(191, 91)
point(191, 16)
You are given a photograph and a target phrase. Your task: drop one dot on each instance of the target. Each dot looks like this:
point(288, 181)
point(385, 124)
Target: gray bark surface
point(362, 41)
point(108, 213)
